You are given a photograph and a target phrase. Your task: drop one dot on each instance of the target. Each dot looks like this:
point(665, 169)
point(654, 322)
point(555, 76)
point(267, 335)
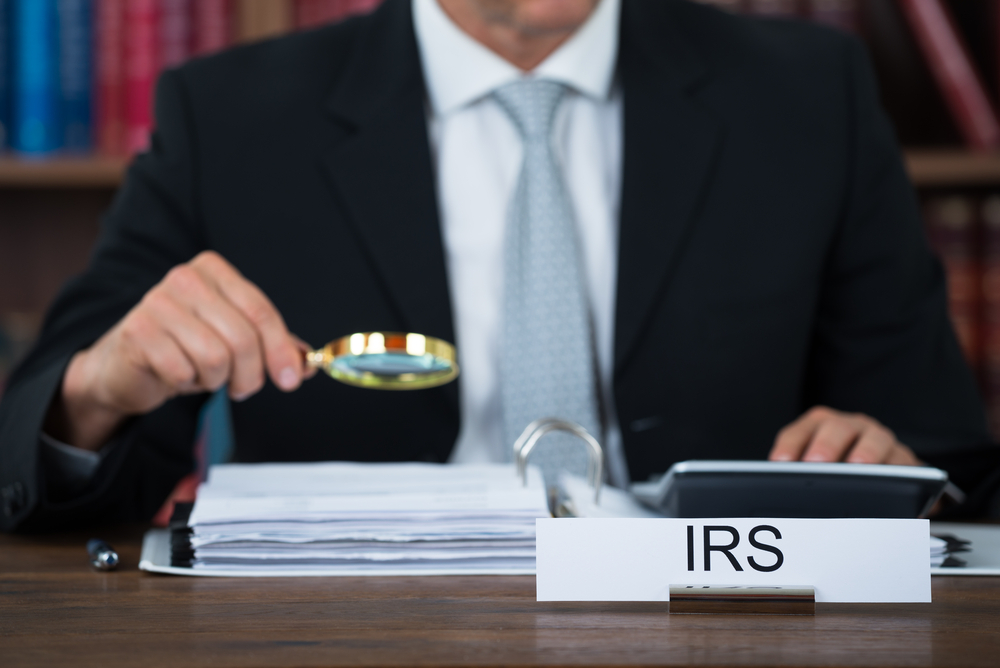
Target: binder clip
point(742, 600)
point(526, 442)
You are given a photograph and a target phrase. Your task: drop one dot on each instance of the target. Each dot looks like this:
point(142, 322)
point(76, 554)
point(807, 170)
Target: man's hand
point(826, 435)
point(204, 325)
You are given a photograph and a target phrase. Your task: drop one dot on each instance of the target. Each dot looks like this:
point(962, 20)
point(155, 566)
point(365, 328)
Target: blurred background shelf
point(929, 168)
point(82, 172)
point(932, 168)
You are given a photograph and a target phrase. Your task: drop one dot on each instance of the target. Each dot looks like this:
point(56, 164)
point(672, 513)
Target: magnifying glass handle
point(315, 359)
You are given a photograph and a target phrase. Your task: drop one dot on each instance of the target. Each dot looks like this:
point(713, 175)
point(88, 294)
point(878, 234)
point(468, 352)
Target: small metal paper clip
point(525, 443)
point(743, 599)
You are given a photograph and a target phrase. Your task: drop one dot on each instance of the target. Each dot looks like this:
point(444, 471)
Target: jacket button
point(13, 498)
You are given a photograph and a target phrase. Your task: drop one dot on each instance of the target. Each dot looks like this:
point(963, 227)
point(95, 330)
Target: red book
point(313, 13)
point(951, 65)
point(363, 6)
point(951, 228)
point(773, 7)
point(175, 32)
point(141, 68)
point(990, 215)
point(110, 76)
point(843, 14)
point(212, 22)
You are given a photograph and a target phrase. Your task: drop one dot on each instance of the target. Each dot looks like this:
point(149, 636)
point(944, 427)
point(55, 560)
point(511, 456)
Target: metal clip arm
point(525, 443)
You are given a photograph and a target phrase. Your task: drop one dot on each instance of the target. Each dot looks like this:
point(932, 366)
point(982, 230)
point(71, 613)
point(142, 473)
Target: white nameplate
point(860, 561)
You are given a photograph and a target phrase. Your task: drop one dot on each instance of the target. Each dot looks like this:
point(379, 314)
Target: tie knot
point(531, 105)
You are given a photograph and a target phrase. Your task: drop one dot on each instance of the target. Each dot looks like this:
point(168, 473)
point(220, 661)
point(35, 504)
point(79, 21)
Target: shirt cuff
point(67, 468)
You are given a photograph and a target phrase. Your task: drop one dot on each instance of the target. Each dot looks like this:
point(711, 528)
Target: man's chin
point(537, 17)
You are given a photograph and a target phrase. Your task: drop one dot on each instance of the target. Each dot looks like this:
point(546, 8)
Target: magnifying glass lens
point(387, 360)
point(390, 364)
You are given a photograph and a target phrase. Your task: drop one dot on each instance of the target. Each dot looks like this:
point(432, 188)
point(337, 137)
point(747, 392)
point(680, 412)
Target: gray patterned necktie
point(548, 353)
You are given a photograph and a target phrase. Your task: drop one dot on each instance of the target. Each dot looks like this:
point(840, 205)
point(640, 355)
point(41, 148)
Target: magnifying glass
point(387, 360)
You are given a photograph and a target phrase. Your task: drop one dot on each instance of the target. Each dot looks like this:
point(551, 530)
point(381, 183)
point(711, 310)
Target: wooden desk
point(55, 611)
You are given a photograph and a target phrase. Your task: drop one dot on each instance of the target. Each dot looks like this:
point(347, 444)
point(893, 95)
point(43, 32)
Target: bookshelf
point(82, 172)
point(934, 168)
point(929, 168)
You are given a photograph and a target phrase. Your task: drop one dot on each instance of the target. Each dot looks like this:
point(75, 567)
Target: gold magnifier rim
point(370, 343)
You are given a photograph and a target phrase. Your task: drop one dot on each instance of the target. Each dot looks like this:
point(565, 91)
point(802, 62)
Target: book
point(363, 6)
point(313, 13)
point(951, 228)
point(261, 19)
point(75, 51)
point(35, 127)
point(212, 24)
point(174, 32)
point(990, 371)
point(958, 80)
point(4, 74)
point(109, 79)
point(141, 68)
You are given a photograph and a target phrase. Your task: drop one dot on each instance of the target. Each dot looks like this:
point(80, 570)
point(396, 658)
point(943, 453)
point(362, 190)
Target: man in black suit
point(770, 261)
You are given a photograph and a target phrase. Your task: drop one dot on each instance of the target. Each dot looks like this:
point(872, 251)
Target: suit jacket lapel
point(381, 170)
point(669, 149)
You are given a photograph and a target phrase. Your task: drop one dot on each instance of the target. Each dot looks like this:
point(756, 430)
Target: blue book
point(75, 74)
point(5, 48)
point(35, 126)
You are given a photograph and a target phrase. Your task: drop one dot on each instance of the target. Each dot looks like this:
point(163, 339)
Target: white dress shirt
point(477, 152)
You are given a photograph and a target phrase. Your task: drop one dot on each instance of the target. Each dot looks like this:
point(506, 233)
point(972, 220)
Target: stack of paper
point(365, 519)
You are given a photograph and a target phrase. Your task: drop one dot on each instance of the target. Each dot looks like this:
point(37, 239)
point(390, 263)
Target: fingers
point(206, 350)
point(282, 357)
point(204, 325)
point(835, 436)
point(792, 441)
point(226, 327)
point(874, 445)
point(826, 435)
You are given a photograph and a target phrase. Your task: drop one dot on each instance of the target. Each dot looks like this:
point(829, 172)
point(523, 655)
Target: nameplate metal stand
point(742, 600)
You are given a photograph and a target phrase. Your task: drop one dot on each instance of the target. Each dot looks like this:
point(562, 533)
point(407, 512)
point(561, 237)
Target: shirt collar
point(459, 70)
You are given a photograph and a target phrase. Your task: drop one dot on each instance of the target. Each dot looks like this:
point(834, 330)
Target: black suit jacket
point(771, 256)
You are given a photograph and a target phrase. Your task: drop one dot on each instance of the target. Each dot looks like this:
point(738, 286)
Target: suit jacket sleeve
point(884, 344)
point(152, 226)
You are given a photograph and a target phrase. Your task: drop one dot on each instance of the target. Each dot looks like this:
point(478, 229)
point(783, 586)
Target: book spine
point(35, 89)
point(776, 8)
point(174, 32)
point(951, 227)
point(141, 67)
point(110, 76)
point(952, 68)
point(314, 13)
point(75, 57)
point(213, 26)
point(261, 19)
point(990, 216)
point(4, 74)
point(842, 14)
point(305, 14)
point(363, 6)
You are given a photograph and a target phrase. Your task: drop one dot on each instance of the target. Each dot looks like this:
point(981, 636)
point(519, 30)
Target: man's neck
point(523, 45)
